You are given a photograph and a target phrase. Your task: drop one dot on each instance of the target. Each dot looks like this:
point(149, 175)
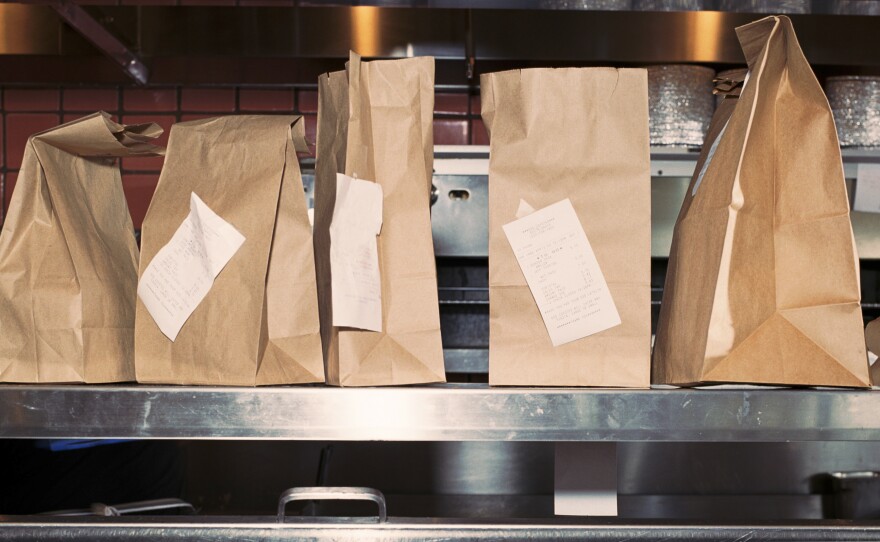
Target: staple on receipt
point(562, 273)
point(356, 284)
point(183, 271)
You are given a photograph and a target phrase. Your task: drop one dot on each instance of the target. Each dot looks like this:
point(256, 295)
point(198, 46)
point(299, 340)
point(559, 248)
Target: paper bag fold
point(258, 325)
point(68, 257)
point(375, 123)
point(763, 279)
point(580, 134)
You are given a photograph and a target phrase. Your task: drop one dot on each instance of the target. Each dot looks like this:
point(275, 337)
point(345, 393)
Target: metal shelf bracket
point(100, 37)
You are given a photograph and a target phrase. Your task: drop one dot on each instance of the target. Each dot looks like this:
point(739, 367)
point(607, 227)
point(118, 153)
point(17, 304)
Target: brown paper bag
point(258, 324)
point(763, 278)
point(580, 134)
point(68, 258)
point(375, 122)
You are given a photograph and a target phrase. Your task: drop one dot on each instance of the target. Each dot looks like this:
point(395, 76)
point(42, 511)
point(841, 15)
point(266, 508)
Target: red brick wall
point(25, 111)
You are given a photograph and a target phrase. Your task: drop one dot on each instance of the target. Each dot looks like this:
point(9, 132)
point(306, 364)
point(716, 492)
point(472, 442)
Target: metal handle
point(333, 494)
point(155, 505)
point(101, 509)
point(107, 510)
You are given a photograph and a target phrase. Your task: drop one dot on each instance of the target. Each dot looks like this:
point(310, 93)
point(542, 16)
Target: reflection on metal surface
point(492, 468)
point(441, 413)
point(666, 197)
point(335, 494)
point(364, 30)
point(669, 5)
point(854, 7)
point(851, 7)
point(358, 529)
point(857, 475)
point(261, 45)
point(133, 508)
point(463, 295)
point(721, 481)
point(28, 30)
point(680, 104)
point(308, 180)
point(744, 506)
point(866, 227)
point(739, 468)
point(598, 5)
point(855, 101)
point(461, 224)
point(704, 33)
point(466, 360)
point(765, 6)
point(854, 495)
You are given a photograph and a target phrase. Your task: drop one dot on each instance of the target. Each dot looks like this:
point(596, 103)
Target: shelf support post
point(100, 37)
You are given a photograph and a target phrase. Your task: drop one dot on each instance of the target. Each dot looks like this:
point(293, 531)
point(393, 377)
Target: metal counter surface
point(450, 412)
point(352, 529)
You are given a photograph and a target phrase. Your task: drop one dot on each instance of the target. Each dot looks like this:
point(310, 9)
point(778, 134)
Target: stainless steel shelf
point(356, 529)
point(438, 413)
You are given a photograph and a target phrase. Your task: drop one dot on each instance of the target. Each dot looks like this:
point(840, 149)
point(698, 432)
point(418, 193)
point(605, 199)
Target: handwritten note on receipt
point(356, 284)
point(181, 274)
point(562, 272)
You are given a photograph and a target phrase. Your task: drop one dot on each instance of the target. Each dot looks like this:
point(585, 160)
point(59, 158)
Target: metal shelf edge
point(22, 528)
point(438, 413)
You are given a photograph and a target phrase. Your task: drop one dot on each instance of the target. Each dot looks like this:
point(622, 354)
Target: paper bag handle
point(333, 494)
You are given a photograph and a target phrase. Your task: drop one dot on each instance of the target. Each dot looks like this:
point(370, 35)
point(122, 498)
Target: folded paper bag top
point(375, 123)
point(257, 322)
point(763, 279)
point(68, 257)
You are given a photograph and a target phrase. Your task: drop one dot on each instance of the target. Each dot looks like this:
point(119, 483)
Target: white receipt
point(562, 273)
point(354, 254)
point(867, 197)
point(183, 271)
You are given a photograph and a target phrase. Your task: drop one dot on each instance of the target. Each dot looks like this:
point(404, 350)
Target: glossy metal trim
point(438, 413)
point(356, 529)
point(266, 45)
point(333, 494)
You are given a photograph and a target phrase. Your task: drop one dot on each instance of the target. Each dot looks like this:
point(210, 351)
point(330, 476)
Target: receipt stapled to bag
point(562, 272)
point(356, 282)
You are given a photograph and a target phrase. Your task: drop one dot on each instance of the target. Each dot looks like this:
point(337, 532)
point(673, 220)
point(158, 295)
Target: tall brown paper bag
point(258, 324)
point(68, 257)
point(580, 134)
point(763, 278)
point(375, 122)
